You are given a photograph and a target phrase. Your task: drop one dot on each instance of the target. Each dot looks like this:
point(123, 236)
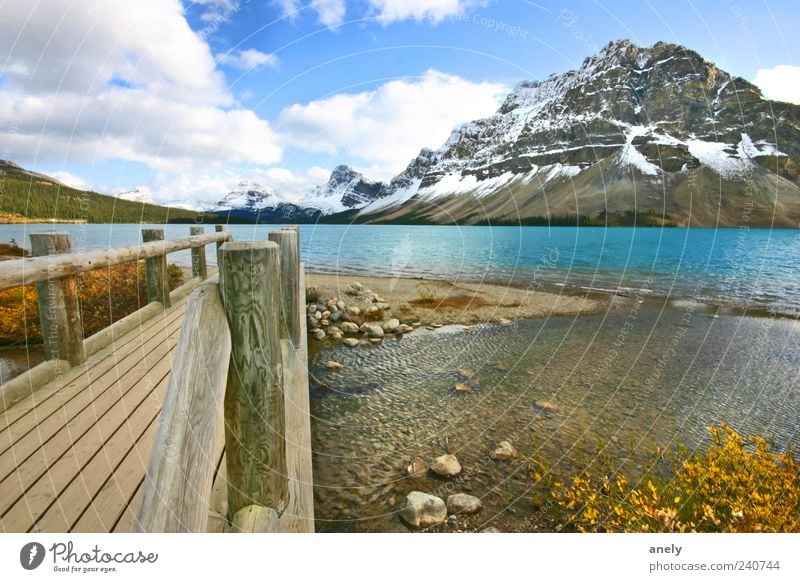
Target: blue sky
point(181, 100)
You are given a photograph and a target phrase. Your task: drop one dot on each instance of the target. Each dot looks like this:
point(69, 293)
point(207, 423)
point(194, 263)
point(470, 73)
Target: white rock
point(504, 451)
point(463, 504)
point(446, 466)
point(374, 331)
point(331, 365)
point(350, 342)
point(348, 327)
point(423, 510)
point(392, 326)
point(319, 334)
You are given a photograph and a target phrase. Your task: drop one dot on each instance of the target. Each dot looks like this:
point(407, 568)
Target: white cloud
point(434, 10)
point(387, 127)
point(134, 125)
point(83, 47)
point(206, 188)
point(120, 79)
point(329, 12)
point(70, 180)
point(248, 59)
point(216, 11)
point(781, 83)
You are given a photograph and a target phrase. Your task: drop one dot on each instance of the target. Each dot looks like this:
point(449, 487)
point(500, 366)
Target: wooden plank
point(106, 413)
point(95, 365)
point(59, 309)
point(299, 515)
point(72, 481)
point(254, 401)
point(156, 269)
point(118, 494)
point(199, 267)
point(127, 521)
point(291, 313)
point(181, 469)
point(32, 270)
point(90, 390)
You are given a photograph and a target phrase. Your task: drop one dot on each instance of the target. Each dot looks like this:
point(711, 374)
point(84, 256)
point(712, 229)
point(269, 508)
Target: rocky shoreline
point(365, 310)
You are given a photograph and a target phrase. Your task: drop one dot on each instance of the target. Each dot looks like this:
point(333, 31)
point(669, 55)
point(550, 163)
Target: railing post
point(255, 447)
point(156, 270)
point(59, 308)
point(199, 268)
point(219, 228)
point(287, 240)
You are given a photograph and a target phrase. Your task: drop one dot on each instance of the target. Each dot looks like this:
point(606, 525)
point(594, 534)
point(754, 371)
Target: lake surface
point(755, 267)
point(675, 371)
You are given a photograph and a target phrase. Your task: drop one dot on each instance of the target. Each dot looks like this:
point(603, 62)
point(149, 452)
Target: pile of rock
point(425, 510)
point(363, 315)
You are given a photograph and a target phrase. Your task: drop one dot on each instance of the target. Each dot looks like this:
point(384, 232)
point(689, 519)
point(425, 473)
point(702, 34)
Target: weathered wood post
point(156, 270)
point(219, 228)
point(180, 473)
point(255, 447)
point(287, 240)
point(59, 307)
point(199, 267)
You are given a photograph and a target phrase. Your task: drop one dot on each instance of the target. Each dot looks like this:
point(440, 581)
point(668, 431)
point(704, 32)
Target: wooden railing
point(54, 268)
point(236, 367)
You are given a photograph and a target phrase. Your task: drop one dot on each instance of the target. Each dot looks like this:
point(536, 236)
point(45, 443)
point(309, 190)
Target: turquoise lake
point(754, 267)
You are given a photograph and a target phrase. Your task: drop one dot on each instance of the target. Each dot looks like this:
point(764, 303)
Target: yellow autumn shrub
point(735, 485)
point(106, 295)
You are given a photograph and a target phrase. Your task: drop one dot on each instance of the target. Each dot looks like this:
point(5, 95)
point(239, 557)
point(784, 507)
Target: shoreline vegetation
point(106, 295)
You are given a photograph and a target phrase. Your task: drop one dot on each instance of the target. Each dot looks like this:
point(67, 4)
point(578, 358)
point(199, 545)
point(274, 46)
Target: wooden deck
point(73, 455)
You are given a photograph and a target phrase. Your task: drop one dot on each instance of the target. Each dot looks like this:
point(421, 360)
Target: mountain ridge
point(653, 129)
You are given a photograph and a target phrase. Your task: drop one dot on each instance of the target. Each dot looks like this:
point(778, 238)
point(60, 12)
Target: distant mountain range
point(652, 134)
point(345, 190)
point(646, 135)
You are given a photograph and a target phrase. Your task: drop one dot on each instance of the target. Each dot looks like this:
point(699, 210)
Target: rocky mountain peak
point(633, 119)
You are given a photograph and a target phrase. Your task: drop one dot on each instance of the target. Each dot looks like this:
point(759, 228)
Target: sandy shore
point(443, 302)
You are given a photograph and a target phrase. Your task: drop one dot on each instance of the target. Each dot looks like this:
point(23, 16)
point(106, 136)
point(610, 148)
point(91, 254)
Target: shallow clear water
point(676, 371)
point(755, 267)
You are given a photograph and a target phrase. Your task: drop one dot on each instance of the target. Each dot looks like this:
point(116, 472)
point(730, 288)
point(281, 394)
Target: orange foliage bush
point(106, 295)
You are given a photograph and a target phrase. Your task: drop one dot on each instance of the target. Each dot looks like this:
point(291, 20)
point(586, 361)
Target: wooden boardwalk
point(73, 454)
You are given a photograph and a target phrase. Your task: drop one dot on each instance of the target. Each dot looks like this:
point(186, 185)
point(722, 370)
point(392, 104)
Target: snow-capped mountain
point(345, 190)
point(655, 129)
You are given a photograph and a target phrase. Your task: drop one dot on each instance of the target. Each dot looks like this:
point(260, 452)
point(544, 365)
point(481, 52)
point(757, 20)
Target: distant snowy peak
point(248, 195)
point(135, 196)
point(347, 187)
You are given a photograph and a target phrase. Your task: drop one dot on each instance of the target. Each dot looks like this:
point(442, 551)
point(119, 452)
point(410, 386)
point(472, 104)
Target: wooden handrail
point(26, 271)
point(181, 469)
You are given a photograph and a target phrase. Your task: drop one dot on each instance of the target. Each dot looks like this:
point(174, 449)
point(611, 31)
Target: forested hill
point(32, 196)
